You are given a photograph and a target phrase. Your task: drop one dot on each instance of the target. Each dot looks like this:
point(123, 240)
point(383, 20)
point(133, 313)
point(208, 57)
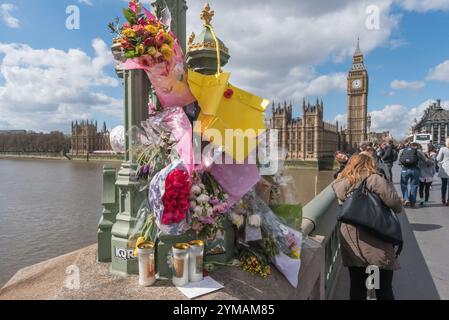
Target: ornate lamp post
point(137, 91)
point(202, 54)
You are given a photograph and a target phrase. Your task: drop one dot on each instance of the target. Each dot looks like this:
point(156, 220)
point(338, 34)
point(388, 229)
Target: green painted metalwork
point(110, 210)
point(137, 93)
point(137, 90)
point(322, 212)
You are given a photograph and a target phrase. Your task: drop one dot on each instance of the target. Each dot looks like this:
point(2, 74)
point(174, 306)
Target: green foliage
point(130, 16)
point(54, 142)
point(291, 214)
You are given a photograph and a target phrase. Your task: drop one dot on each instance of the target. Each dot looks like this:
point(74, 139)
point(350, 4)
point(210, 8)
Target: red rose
point(139, 29)
point(149, 42)
point(160, 39)
point(229, 93)
point(176, 197)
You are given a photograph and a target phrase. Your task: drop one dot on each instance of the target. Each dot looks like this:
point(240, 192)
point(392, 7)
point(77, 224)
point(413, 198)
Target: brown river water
point(52, 207)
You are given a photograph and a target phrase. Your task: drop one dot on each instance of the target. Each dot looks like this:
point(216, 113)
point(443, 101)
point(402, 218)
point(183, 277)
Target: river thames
point(51, 207)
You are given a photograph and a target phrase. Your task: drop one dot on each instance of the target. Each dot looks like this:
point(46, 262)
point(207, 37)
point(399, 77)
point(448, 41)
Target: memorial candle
point(181, 264)
point(196, 260)
point(147, 268)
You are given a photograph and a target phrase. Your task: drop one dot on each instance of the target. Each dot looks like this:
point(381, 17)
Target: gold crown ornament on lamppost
point(201, 52)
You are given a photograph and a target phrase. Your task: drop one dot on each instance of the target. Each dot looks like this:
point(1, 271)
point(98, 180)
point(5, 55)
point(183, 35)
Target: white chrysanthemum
point(193, 205)
point(203, 198)
point(237, 219)
point(198, 210)
point(196, 190)
point(255, 220)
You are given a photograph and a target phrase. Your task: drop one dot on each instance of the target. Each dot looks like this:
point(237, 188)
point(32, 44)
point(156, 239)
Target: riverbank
point(56, 156)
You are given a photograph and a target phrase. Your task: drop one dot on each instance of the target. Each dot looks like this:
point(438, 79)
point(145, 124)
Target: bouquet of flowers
point(145, 229)
point(208, 205)
point(168, 198)
point(254, 262)
point(165, 137)
point(149, 44)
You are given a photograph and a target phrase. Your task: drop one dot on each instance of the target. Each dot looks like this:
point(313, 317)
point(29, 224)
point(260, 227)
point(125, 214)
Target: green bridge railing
point(320, 218)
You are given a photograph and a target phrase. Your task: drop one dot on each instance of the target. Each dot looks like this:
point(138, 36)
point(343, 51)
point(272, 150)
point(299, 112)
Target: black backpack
point(409, 157)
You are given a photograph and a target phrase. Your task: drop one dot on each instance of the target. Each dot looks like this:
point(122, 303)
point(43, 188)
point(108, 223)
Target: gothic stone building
point(309, 137)
point(306, 138)
point(434, 121)
point(86, 138)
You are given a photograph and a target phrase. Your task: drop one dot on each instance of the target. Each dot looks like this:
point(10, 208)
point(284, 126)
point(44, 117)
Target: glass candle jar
point(147, 266)
point(196, 260)
point(181, 264)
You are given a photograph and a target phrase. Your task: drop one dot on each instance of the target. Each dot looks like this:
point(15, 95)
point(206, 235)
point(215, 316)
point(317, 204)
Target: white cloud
point(88, 2)
point(7, 17)
point(342, 120)
point(440, 72)
point(397, 119)
point(46, 89)
point(275, 49)
point(406, 85)
point(424, 5)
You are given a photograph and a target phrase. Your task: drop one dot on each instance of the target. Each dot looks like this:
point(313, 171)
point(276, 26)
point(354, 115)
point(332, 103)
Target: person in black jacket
point(389, 156)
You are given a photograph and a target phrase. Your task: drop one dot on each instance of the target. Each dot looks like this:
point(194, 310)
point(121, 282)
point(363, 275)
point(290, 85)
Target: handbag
point(366, 209)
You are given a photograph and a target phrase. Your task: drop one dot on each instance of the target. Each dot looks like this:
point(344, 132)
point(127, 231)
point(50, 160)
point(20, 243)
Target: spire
point(358, 52)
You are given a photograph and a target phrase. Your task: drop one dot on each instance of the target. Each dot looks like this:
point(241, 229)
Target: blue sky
point(299, 49)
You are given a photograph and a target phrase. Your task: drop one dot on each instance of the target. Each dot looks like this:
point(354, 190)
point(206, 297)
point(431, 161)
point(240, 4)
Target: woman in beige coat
point(360, 248)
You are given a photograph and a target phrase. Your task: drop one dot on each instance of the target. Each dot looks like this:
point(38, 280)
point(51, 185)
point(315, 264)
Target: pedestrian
point(427, 172)
point(361, 248)
point(389, 156)
point(409, 159)
point(443, 173)
point(342, 159)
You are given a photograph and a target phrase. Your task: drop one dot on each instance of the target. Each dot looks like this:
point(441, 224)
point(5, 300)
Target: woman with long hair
point(359, 247)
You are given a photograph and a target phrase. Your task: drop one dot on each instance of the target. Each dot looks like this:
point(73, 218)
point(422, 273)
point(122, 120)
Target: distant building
point(13, 132)
point(306, 138)
point(379, 136)
point(86, 138)
point(434, 121)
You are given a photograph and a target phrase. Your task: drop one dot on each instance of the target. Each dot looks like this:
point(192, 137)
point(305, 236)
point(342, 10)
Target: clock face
point(357, 84)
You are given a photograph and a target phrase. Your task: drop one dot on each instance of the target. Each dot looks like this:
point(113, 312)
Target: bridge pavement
point(424, 273)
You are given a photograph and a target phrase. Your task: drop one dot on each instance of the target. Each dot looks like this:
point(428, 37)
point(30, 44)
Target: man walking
point(409, 159)
point(389, 156)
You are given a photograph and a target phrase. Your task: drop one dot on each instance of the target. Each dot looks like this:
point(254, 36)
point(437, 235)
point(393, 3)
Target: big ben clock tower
point(357, 101)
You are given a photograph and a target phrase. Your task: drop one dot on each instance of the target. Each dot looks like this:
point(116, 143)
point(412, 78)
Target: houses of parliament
point(310, 137)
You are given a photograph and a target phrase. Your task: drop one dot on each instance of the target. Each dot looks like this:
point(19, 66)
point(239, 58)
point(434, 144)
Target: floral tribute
point(145, 35)
point(207, 199)
point(176, 197)
point(148, 44)
point(208, 205)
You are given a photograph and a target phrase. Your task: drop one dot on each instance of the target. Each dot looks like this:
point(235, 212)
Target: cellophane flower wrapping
point(149, 45)
point(169, 79)
point(289, 241)
point(144, 230)
point(176, 223)
point(176, 120)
